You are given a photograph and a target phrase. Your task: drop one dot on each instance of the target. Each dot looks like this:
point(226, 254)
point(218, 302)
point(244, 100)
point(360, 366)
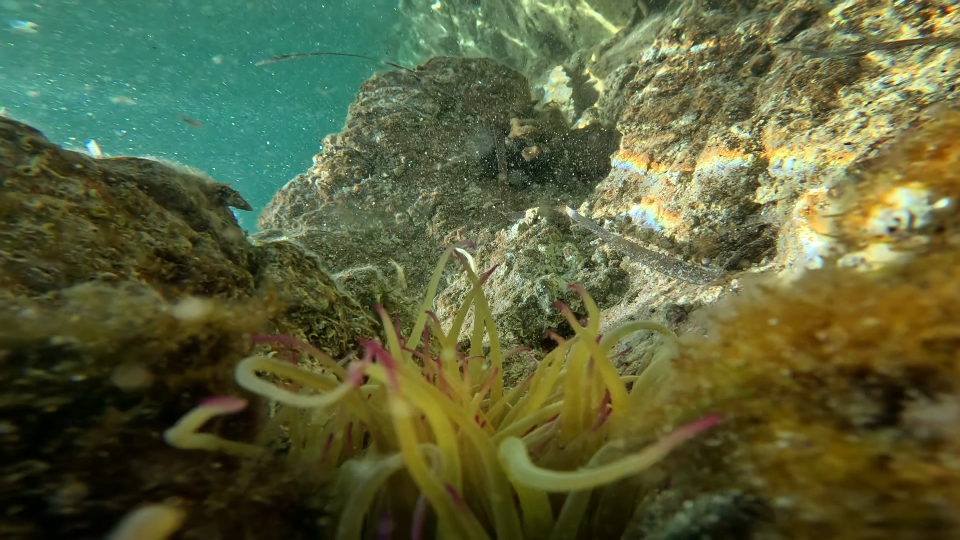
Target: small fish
point(286, 57)
point(515, 216)
point(190, 121)
point(93, 149)
point(868, 47)
point(22, 27)
point(123, 100)
point(656, 261)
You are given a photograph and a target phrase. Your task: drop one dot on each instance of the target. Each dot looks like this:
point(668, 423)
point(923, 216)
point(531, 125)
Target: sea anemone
point(420, 437)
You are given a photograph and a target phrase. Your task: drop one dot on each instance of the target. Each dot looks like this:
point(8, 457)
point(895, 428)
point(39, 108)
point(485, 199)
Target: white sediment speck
point(22, 27)
point(192, 309)
point(903, 209)
point(93, 149)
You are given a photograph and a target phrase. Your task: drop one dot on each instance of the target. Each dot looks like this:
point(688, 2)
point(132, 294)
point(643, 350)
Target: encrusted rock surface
point(129, 292)
point(546, 255)
point(727, 118)
point(740, 127)
point(840, 396)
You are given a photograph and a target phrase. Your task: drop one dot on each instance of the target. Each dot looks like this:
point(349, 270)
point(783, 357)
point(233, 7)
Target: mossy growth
point(841, 400)
point(90, 377)
point(420, 438)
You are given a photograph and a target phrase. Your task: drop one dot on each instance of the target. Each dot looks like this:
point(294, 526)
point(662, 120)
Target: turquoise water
point(176, 79)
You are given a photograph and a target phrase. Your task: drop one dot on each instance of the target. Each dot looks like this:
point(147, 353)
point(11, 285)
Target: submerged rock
point(431, 157)
point(72, 219)
point(129, 293)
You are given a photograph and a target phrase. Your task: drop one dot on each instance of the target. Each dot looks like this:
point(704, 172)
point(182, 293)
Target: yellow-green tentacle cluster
point(418, 416)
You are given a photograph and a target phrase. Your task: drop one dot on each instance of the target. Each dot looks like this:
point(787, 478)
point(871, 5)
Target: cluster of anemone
point(422, 438)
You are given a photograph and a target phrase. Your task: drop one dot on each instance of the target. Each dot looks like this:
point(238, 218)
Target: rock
point(544, 256)
point(314, 306)
point(432, 157)
point(722, 135)
point(900, 202)
point(129, 293)
point(76, 219)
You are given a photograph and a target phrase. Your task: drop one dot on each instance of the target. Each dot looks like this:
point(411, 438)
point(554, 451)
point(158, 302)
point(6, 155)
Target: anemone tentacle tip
point(225, 403)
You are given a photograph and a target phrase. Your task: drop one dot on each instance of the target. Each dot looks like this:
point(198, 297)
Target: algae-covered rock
point(314, 306)
point(839, 394)
point(130, 292)
point(71, 219)
point(92, 376)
